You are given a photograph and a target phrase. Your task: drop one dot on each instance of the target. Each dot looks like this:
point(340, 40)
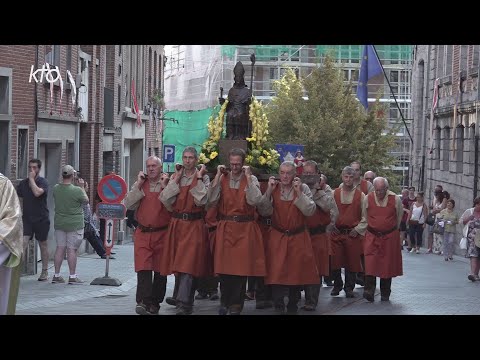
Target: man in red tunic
point(325, 214)
point(239, 251)
point(383, 255)
point(187, 251)
point(153, 220)
point(346, 237)
point(289, 253)
point(366, 187)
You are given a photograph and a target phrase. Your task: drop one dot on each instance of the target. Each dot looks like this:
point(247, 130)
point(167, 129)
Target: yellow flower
point(213, 155)
point(262, 160)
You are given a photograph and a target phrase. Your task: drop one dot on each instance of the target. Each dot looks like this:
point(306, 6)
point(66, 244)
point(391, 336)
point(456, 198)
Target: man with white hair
point(369, 176)
point(347, 234)
point(153, 219)
point(383, 256)
point(288, 250)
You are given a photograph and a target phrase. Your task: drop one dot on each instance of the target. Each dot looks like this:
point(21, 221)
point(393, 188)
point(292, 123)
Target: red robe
point(383, 255)
point(290, 259)
point(186, 248)
point(320, 241)
point(346, 250)
point(149, 246)
point(238, 245)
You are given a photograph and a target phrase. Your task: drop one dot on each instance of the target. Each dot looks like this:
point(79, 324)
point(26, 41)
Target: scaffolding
point(194, 75)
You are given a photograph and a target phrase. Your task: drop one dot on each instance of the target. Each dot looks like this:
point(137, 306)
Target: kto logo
point(48, 72)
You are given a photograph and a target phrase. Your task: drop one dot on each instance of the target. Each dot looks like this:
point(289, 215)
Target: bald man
point(369, 176)
point(153, 219)
point(383, 257)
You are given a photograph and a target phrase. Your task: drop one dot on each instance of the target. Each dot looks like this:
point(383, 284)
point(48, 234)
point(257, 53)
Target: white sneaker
point(417, 251)
point(412, 251)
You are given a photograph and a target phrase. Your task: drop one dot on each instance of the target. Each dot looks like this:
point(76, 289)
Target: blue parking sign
point(168, 153)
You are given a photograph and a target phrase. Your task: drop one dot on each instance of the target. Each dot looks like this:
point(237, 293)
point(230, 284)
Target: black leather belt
point(381, 233)
point(151, 229)
point(290, 232)
point(318, 230)
point(236, 218)
point(211, 229)
point(265, 220)
point(188, 216)
point(343, 230)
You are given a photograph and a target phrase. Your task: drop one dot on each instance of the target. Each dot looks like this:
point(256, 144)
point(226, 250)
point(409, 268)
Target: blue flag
point(370, 68)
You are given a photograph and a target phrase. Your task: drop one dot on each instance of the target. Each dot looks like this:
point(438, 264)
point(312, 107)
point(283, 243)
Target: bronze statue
point(239, 98)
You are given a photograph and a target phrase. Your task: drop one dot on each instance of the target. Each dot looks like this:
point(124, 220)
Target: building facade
point(445, 100)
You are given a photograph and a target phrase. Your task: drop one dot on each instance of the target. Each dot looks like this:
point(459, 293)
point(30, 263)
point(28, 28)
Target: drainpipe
point(475, 171)
point(424, 147)
point(35, 119)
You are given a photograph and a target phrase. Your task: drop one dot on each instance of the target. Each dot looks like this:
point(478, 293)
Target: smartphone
point(145, 176)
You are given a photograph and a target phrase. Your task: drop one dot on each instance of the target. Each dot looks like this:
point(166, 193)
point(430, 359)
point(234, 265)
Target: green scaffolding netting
point(272, 52)
point(190, 130)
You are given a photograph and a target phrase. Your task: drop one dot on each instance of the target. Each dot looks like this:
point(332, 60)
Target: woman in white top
point(471, 218)
point(416, 222)
point(439, 203)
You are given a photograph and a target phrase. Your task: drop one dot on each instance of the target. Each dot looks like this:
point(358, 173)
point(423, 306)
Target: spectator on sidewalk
point(91, 231)
point(36, 221)
point(471, 218)
point(68, 223)
point(450, 219)
point(11, 246)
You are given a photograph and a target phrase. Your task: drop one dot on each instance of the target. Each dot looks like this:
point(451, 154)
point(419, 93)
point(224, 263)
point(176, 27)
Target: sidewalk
point(429, 285)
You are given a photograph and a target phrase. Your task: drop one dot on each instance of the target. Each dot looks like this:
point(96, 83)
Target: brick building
point(94, 130)
point(445, 149)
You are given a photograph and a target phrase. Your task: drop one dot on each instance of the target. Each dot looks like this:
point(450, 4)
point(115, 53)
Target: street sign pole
point(112, 189)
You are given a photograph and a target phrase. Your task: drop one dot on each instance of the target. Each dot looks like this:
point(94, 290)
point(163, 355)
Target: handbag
point(463, 243)
point(430, 219)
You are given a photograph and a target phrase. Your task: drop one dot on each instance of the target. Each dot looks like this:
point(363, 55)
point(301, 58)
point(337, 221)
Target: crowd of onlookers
point(441, 220)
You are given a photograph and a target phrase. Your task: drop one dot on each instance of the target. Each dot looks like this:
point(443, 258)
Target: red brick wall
point(20, 58)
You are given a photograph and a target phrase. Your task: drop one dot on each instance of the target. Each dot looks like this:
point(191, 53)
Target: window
point(449, 62)
point(157, 152)
point(4, 143)
point(56, 55)
point(107, 162)
point(393, 76)
point(119, 50)
point(108, 108)
point(69, 57)
point(71, 153)
point(22, 154)
point(119, 69)
point(119, 93)
point(4, 94)
point(446, 149)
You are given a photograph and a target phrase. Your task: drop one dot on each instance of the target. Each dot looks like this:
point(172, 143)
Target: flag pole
point(394, 97)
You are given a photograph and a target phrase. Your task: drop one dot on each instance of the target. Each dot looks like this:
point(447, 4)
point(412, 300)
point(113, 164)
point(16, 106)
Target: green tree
point(321, 113)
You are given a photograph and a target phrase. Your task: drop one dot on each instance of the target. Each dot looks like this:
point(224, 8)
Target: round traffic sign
point(112, 188)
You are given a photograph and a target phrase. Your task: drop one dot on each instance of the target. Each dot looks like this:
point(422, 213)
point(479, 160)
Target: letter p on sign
point(168, 153)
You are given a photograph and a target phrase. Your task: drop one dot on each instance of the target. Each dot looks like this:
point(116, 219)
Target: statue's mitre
point(238, 70)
